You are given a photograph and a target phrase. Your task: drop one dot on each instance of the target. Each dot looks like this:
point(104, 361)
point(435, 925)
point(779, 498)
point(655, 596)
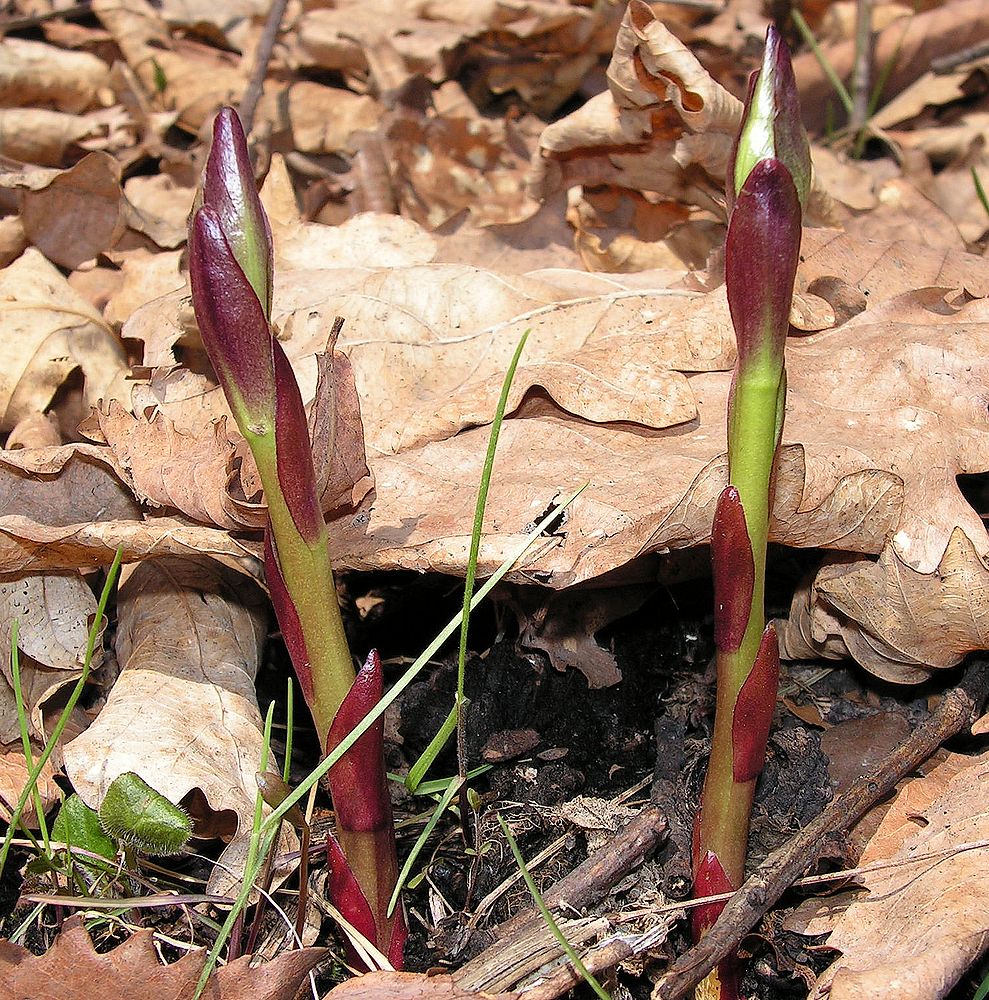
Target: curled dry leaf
point(923, 921)
point(69, 969)
point(50, 331)
point(664, 124)
point(183, 712)
point(880, 613)
point(166, 467)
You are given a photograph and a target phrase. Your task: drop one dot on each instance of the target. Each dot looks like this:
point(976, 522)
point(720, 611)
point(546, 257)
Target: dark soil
point(549, 737)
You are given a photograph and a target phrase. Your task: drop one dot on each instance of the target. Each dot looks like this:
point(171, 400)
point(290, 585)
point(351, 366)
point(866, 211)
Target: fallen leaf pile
point(444, 177)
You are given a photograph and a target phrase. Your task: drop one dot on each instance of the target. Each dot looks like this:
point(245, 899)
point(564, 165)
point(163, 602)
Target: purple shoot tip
point(230, 190)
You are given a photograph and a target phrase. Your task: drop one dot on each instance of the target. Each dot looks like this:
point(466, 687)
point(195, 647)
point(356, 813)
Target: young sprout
point(768, 180)
point(230, 269)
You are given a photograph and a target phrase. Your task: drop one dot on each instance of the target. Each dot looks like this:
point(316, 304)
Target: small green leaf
point(79, 826)
point(142, 818)
point(160, 80)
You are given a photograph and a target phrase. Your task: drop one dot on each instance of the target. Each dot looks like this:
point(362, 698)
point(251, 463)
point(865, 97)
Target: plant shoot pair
point(230, 266)
point(767, 184)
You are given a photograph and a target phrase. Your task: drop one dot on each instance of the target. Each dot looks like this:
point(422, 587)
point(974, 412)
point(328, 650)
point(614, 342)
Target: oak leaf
point(71, 968)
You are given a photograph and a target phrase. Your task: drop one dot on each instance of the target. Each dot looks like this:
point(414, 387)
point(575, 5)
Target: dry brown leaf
point(37, 430)
point(183, 712)
point(13, 777)
point(564, 624)
point(50, 331)
point(443, 165)
point(80, 512)
point(905, 214)
point(145, 276)
point(543, 240)
point(79, 214)
point(873, 440)
point(399, 320)
point(198, 79)
point(318, 119)
point(166, 467)
point(346, 36)
point(159, 209)
point(923, 921)
point(54, 614)
point(33, 73)
point(12, 239)
point(71, 967)
point(885, 610)
point(34, 135)
point(880, 270)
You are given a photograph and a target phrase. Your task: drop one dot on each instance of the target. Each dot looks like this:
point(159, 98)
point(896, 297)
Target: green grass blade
point(289, 731)
point(63, 719)
point(15, 671)
point(808, 36)
point(475, 537)
point(548, 917)
point(438, 785)
point(455, 720)
point(980, 191)
point(418, 770)
point(420, 843)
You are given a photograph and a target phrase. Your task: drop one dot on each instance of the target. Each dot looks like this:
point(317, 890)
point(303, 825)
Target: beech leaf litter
point(445, 177)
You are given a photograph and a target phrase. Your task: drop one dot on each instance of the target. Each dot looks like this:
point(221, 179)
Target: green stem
point(308, 575)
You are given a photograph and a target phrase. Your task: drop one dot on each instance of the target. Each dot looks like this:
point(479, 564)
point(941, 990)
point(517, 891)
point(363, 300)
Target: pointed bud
point(232, 323)
point(230, 190)
point(771, 124)
point(363, 765)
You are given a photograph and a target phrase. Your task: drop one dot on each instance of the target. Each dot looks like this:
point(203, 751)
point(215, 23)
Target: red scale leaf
point(734, 571)
point(362, 803)
point(347, 896)
point(754, 710)
point(293, 451)
point(709, 880)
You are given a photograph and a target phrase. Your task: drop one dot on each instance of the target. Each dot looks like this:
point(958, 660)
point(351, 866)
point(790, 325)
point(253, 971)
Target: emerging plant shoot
point(230, 266)
point(767, 183)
